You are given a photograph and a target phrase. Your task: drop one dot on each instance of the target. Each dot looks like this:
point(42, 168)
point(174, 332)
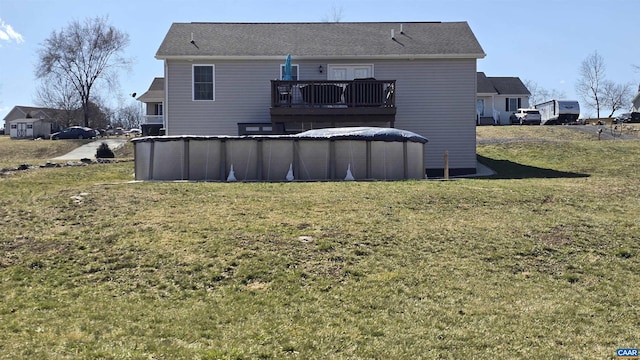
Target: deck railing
point(333, 93)
point(153, 119)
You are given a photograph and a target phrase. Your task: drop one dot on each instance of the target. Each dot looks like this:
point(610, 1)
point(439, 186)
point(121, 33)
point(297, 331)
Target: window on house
point(203, 82)
point(14, 126)
point(513, 104)
point(294, 72)
point(29, 126)
point(158, 108)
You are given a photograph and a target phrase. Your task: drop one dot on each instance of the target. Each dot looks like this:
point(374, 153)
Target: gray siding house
point(231, 78)
point(153, 100)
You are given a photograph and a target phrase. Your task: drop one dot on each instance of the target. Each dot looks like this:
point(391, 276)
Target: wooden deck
point(333, 102)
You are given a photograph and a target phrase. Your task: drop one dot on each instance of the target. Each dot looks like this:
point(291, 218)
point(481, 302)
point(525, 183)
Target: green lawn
point(541, 261)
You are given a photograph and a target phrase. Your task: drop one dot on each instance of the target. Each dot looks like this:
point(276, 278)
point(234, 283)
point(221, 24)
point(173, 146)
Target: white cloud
point(8, 34)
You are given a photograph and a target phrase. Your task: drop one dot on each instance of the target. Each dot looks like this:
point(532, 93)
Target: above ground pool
point(355, 153)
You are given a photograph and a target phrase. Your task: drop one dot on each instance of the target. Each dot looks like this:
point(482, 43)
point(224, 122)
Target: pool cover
point(346, 133)
point(362, 133)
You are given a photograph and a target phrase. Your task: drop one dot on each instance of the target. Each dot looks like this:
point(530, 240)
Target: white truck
point(554, 112)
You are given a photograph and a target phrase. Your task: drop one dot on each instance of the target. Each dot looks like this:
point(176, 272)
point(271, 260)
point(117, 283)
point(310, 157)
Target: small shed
point(29, 128)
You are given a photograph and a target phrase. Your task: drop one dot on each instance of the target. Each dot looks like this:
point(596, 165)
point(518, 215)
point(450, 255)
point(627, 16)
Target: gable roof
point(22, 112)
point(484, 84)
point(321, 40)
point(155, 92)
point(501, 85)
point(26, 112)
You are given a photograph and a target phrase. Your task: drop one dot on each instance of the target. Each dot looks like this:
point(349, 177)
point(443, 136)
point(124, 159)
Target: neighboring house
point(22, 112)
point(153, 99)
point(227, 79)
point(635, 102)
point(59, 118)
point(635, 107)
point(27, 122)
point(498, 98)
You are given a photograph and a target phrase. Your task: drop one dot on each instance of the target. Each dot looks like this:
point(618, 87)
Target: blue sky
point(544, 41)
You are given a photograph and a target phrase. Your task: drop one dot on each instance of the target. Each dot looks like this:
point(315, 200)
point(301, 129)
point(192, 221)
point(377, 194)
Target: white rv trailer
point(554, 112)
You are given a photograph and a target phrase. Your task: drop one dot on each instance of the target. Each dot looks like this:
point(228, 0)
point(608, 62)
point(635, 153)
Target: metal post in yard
point(446, 165)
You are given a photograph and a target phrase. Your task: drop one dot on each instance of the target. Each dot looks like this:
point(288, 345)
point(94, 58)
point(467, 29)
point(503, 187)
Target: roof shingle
point(155, 92)
point(501, 85)
point(321, 40)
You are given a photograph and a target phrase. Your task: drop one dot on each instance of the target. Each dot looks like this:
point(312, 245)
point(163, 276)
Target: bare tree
point(534, 89)
point(83, 54)
point(616, 96)
point(592, 77)
point(59, 94)
point(540, 94)
point(101, 113)
point(334, 16)
point(128, 116)
point(552, 94)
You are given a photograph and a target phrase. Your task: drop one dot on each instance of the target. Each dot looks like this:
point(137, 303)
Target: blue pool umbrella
point(287, 68)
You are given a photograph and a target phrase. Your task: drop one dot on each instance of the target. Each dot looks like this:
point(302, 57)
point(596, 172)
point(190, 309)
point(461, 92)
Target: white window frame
point(213, 81)
point(295, 71)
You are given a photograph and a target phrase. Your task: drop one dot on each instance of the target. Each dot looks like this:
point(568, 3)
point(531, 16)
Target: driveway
point(88, 151)
point(608, 132)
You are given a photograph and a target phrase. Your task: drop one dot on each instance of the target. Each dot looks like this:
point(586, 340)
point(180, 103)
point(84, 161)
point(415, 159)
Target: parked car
point(622, 118)
point(526, 117)
point(626, 118)
point(133, 132)
point(74, 132)
point(117, 131)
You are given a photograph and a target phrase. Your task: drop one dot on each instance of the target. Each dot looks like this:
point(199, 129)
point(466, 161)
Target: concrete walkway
point(88, 151)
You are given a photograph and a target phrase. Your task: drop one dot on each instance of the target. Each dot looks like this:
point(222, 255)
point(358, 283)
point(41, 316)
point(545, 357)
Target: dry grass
point(530, 133)
point(511, 267)
point(37, 152)
point(18, 152)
